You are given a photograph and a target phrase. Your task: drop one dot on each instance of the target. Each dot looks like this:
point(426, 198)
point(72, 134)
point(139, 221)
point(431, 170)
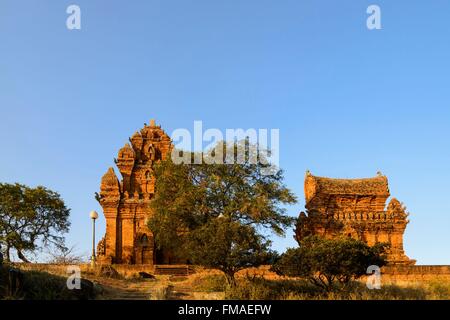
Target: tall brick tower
point(125, 203)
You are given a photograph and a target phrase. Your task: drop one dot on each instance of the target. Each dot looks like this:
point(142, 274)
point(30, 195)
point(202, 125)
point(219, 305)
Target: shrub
point(329, 263)
point(37, 285)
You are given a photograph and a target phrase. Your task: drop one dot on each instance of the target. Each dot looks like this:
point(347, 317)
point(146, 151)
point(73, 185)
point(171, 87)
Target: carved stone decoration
point(354, 208)
point(110, 184)
point(101, 247)
point(126, 204)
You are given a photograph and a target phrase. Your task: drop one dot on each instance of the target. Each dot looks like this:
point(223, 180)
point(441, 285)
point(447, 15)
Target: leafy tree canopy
point(214, 213)
point(326, 262)
point(31, 218)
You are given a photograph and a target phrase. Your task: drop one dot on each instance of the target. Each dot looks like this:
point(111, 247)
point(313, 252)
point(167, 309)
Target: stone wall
point(417, 273)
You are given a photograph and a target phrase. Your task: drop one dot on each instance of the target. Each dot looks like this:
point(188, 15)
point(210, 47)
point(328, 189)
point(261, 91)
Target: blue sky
point(348, 101)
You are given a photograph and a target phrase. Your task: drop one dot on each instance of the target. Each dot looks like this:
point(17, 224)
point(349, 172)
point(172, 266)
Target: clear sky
point(348, 101)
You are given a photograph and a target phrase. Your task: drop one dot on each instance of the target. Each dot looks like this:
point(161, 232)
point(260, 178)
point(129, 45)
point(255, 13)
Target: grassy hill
point(49, 282)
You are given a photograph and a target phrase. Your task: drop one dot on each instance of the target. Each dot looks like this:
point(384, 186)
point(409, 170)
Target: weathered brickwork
point(354, 208)
point(125, 203)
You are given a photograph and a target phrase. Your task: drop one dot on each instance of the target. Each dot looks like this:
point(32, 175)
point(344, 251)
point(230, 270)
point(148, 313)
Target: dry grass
point(263, 289)
point(253, 284)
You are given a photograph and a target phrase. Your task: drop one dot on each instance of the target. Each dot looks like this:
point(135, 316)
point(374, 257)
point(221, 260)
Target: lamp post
point(94, 216)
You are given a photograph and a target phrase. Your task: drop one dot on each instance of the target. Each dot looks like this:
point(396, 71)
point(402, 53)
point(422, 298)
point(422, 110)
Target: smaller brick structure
point(355, 208)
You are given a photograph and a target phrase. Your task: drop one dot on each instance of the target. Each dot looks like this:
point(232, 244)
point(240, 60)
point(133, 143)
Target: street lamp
point(94, 216)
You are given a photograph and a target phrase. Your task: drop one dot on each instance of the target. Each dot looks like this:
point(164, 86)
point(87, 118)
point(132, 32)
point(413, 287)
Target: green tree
point(327, 262)
point(31, 218)
point(215, 213)
point(228, 246)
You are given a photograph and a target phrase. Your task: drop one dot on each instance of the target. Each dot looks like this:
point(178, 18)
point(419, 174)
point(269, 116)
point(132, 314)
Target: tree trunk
point(230, 279)
point(22, 257)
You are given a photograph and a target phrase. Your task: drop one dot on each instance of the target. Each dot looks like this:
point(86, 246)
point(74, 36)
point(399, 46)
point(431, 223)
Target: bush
point(329, 263)
point(37, 285)
point(44, 286)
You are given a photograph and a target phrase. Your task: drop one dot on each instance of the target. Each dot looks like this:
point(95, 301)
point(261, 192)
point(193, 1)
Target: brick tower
point(125, 203)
